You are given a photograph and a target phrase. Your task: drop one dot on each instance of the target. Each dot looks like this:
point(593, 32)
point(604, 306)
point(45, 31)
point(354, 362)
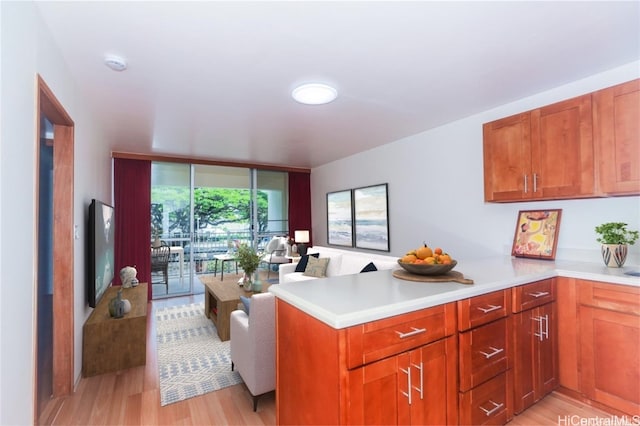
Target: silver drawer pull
point(495, 408)
point(491, 308)
point(411, 333)
point(539, 294)
point(495, 351)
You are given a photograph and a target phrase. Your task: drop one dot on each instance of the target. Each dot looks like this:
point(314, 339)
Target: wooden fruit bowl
point(426, 269)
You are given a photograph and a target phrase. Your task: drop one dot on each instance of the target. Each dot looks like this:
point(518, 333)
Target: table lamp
point(301, 238)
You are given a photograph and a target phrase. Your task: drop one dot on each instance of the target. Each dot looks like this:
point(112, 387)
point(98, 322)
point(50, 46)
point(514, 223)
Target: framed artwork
point(340, 218)
point(536, 234)
point(371, 217)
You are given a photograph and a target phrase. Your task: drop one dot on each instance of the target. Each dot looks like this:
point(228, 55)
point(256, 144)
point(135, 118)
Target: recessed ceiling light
point(314, 94)
point(116, 63)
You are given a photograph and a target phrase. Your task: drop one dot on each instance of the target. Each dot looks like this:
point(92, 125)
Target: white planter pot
point(614, 255)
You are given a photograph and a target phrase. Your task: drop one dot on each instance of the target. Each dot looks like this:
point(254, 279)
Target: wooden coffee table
point(220, 299)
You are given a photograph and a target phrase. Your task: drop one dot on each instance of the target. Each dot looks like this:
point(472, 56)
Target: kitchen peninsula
point(370, 347)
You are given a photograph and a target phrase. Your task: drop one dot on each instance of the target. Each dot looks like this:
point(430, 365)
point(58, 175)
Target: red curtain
point(132, 193)
point(300, 203)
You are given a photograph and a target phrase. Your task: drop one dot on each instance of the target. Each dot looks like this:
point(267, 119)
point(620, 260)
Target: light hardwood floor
point(132, 397)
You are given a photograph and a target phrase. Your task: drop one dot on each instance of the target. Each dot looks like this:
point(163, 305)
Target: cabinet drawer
point(618, 298)
point(483, 309)
point(535, 294)
point(483, 353)
point(485, 404)
point(390, 336)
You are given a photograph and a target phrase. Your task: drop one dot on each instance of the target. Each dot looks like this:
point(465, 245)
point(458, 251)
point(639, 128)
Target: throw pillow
point(316, 267)
point(246, 302)
point(302, 263)
point(369, 268)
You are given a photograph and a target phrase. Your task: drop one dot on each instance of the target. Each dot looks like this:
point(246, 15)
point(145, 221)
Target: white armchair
point(275, 253)
point(253, 345)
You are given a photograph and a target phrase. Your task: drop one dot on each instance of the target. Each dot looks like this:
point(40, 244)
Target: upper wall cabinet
point(616, 133)
point(588, 146)
point(543, 154)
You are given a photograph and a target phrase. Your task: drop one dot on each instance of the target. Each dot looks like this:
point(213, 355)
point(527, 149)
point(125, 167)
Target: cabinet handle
point(411, 333)
point(539, 294)
point(542, 334)
point(535, 182)
point(408, 393)
point(491, 308)
point(525, 184)
point(495, 408)
point(495, 351)
point(419, 367)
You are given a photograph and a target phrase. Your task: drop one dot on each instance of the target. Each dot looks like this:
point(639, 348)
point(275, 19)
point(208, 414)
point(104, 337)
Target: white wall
point(436, 188)
point(27, 49)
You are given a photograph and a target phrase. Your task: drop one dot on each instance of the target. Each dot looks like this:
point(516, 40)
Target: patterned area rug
point(191, 358)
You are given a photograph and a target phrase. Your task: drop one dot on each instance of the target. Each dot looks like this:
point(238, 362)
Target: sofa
point(341, 262)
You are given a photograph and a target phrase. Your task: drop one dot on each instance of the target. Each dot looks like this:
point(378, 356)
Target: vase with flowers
point(615, 237)
point(249, 261)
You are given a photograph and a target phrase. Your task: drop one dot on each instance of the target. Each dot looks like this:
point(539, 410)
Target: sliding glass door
point(171, 214)
point(203, 212)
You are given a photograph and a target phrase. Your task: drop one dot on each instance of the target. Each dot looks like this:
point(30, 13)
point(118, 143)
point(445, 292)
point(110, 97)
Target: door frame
point(63, 235)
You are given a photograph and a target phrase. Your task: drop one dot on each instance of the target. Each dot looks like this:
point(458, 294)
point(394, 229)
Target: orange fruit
point(424, 252)
point(409, 258)
point(438, 250)
point(430, 260)
point(444, 257)
point(419, 262)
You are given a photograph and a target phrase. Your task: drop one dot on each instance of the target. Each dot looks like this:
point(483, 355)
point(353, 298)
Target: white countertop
point(349, 300)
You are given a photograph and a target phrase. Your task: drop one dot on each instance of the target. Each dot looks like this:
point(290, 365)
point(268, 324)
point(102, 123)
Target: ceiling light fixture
point(116, 63)
point(314, 94)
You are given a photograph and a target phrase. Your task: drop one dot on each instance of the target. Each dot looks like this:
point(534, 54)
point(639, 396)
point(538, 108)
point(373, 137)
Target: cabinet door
point(617, 138)
point(415, 387)
point(562, 162)
point(525, 359)
point(433, 383)
point(610, 354)
point(547, 350)
point(535, 359)
point(507, 158)
point(379, 392)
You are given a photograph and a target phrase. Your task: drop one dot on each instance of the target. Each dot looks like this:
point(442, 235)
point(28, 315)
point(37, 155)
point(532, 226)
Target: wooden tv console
point(111, 344)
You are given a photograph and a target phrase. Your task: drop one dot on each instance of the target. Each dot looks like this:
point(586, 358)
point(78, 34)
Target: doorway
point(54, 254)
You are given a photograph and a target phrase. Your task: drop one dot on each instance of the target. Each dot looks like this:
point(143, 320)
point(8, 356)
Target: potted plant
point(615, 237)
point(249, 261)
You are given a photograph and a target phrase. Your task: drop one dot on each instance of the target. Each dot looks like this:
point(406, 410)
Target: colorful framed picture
point(371, 217)
point(536, 234)
point(340, 218)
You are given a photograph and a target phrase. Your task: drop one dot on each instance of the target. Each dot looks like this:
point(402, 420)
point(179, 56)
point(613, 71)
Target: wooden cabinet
point(485, 385)
point(507, 158)
point(112, 344)
point(610, 344)
point(413, 387)
point(569, 342)
point(396, 370)
point(616, 112)
point(535, 343)
point(522, 153)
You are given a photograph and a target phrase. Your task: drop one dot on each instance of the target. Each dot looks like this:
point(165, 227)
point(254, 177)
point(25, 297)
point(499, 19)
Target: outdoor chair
point(160, 264)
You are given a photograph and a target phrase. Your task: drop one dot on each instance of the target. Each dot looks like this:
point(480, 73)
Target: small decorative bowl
point(426, 269)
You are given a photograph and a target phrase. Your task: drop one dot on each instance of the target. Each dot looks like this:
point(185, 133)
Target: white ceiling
point(213, 79)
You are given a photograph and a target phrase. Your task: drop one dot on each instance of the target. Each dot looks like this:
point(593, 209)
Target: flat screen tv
point(100, 251)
